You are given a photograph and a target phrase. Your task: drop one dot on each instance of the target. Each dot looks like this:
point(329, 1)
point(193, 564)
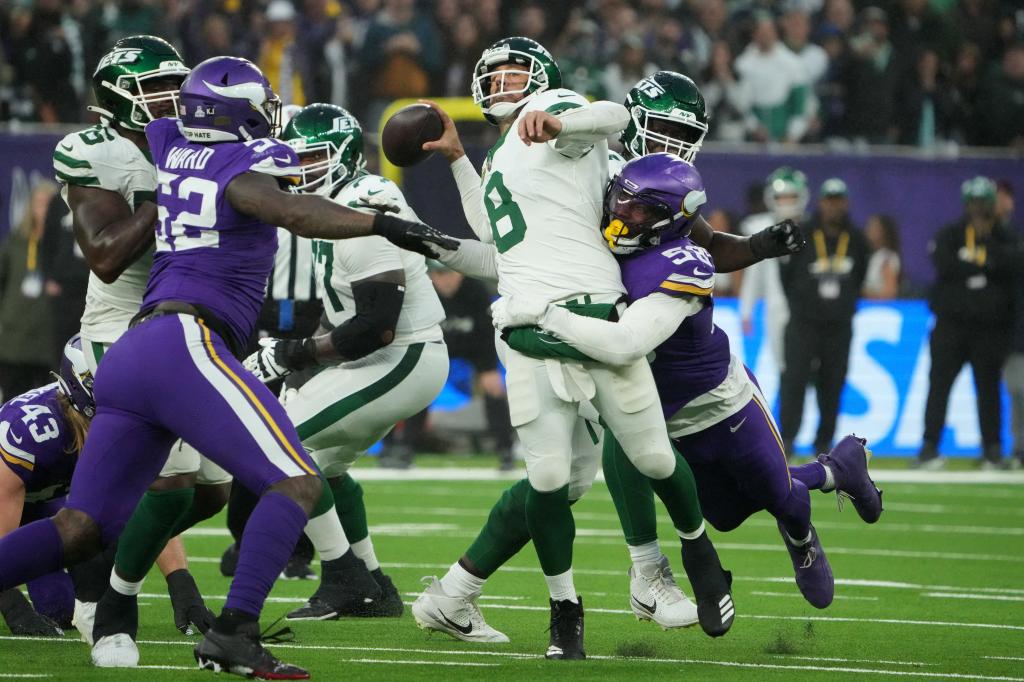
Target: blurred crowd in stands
point(914, 72)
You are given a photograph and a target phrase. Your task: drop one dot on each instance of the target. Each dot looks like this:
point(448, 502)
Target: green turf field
point(934, 590)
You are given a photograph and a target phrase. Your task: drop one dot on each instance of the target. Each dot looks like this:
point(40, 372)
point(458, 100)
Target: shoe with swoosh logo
point(456, 616)
point(655, 596)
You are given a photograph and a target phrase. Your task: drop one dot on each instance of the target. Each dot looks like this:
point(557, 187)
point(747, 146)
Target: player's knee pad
point(548, 474)
point(656, 464)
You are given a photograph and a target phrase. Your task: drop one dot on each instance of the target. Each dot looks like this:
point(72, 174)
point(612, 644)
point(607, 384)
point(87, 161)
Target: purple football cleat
point(813, 573)
point(848, 461)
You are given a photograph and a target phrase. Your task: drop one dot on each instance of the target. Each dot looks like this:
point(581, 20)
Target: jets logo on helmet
point(667, 114)
point(137, 81)
point(329, 142)
point(536, 64)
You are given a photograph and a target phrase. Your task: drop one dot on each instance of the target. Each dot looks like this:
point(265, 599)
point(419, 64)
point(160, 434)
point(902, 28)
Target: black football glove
point(188, 605)
point(23, 620)
point(781, 239)
point(412, 236)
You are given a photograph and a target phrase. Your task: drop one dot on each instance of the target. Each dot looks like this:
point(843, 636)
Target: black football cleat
point(566, 642)
point(298, 568)
point(390, 603)
point(243, 653)
point(711, 584)
point(347, 590)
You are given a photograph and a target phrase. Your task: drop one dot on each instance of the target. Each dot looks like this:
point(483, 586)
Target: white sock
point(327, 535)
point(458, 582)
point(647, 553)
point(364, 550)
point(691, 536)
point(561, 587)
point(125, 587)
point(830, 480)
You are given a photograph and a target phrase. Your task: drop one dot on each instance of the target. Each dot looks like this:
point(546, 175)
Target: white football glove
point(517, 312)
point(262, 363)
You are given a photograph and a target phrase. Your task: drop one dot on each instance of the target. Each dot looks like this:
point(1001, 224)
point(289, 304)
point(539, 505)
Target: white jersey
point(100, 157)
point(343, 261)
point(544, 209)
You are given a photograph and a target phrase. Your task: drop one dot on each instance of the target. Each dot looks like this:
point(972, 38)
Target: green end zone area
point(934, 590)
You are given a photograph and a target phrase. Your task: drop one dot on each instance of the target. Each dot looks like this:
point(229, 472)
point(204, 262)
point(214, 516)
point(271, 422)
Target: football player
point(713, 406)
point(384, 359)
point(786, 197)
point(666, 112)
point(539, 202)
point(41, 434)
point(219, 200)
point(109, 183)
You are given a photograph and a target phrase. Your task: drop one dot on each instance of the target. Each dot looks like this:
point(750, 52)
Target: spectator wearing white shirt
point(776, 84)
point(882, 281)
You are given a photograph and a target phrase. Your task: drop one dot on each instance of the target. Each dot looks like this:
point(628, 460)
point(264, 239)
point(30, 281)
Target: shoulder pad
point(272, 157)
point(367, 189)
point(688, 269)
point(556, 101)
point(75, 155)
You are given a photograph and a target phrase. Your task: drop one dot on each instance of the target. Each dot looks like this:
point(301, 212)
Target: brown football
point(404, 134)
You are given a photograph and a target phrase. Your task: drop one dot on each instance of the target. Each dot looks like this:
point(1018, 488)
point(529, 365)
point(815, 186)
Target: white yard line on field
point(1005, 658)
point(522, 656)
point(989, 597)
point(800, 596)
point(401, 662)
point(484, 474)
point(905, 527)
point(850, 660)
point(586, 536)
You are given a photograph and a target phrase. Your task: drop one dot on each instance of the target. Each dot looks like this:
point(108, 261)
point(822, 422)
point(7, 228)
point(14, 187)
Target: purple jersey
point(207, 253)
point(695, 359)
point(35, 442)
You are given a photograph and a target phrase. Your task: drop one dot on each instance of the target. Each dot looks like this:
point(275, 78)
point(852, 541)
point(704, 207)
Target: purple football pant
point(740, 468)
point(171, 378)
point(53, 594)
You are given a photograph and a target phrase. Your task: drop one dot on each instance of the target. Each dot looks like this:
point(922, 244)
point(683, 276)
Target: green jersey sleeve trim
point(69, 161)
point(83, 180)
point(559, 107)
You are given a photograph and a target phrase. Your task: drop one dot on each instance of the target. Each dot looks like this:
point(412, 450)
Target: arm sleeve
point(468, 182)
point(473, 259)
point(582, 126)
point(643, 327)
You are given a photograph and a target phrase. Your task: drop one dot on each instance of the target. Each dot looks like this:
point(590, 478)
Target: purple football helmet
point(75, 379)
point(228, 99)
point(654, 199)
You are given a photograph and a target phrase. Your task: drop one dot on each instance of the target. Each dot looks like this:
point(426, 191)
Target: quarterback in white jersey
point(383, 360)
point(539, 203)
point(109, 183)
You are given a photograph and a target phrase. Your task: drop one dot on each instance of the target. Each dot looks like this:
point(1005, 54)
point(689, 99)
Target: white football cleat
point(115, 651)
point(654, 595)
point(83, 619)
point(456, 616)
